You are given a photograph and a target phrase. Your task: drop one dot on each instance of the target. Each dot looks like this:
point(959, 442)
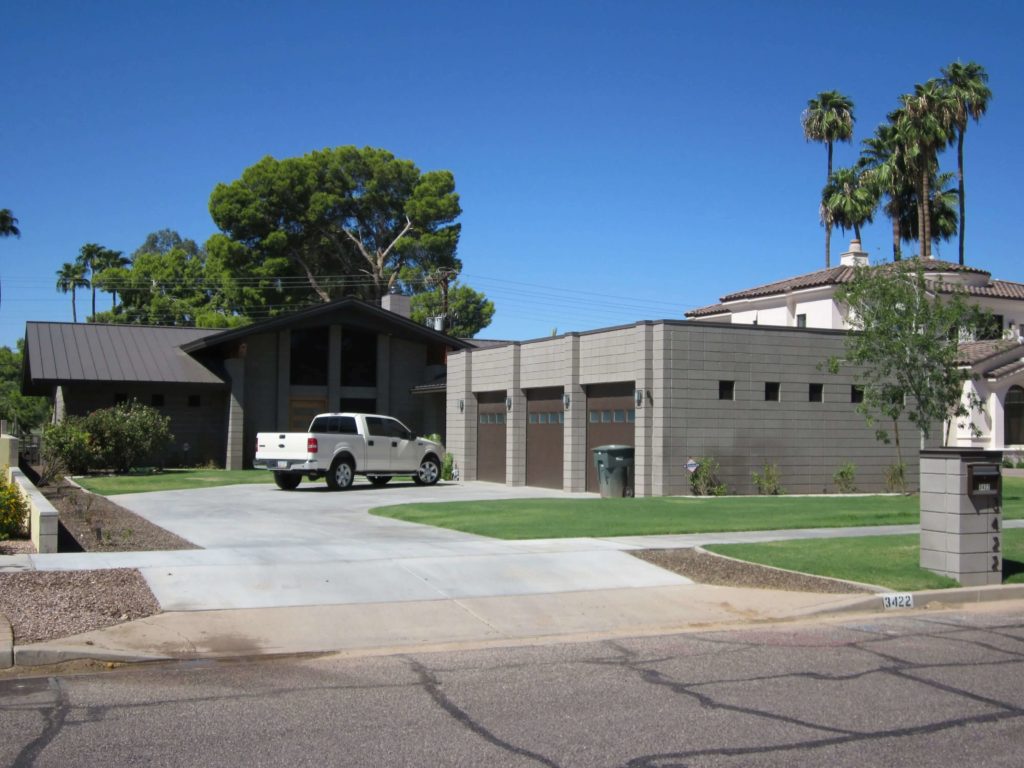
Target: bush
point(117, 438)
point(124, 436)
point(14, 508)
point(845, 478)
point(1020, 464)
point(895, 478)
point(704, 480)
point(1007, 462)
point(768, 481)
point(65, 449)
point(447, 466)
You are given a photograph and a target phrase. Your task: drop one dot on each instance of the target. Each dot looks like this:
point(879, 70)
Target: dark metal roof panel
point(76, 352)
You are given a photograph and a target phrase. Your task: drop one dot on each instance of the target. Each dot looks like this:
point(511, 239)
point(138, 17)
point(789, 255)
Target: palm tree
point(106, 260)
point(848, 201)
point(8, 224)
point(828, 118)
point(942, 210)
point(71, 277)
point(924, 123)
point(884, 169)
point(966, 84)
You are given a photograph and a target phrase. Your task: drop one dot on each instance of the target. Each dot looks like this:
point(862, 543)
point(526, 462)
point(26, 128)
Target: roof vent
point(855, 257)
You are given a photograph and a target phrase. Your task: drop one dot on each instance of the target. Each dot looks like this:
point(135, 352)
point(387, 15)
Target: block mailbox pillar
point(961, 514)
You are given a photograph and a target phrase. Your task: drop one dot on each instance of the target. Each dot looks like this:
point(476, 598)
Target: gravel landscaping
point(44, 605)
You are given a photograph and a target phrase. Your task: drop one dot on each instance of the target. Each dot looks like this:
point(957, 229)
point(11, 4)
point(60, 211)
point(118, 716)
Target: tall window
point(726, 390)
point(309, 357)
point(358, 358)
point(801, 321)
point(1013, 416)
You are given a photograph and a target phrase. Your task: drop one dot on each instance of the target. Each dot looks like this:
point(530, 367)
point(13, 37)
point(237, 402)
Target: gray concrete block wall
point(960, 537)
point(547, 364)
point(612, 355)
point(461, 422)
point(492, 369)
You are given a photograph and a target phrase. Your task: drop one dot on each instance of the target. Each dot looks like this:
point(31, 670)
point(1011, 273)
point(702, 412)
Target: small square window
point(856, 393)
point(726, 390)
point(606, 417)
point(595, 417)
point(499, 418)
point(193, 401)
point(801, 321)
point(619, 416)
point(561, 418)
point(815, 393)
point(771, 391)
point(120, 398)
point(157, 401)
point(533, 418)
point(631, 416)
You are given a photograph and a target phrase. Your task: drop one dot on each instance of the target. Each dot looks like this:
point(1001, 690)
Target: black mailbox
point(983, 480)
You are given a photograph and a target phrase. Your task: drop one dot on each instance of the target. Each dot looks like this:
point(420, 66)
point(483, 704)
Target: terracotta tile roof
point(973, 352)
point(833, 276)
point(996, 289)
point(711, 309)
point(1002, 371)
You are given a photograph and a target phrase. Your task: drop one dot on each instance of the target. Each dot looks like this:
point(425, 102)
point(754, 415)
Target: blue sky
point(616, 161)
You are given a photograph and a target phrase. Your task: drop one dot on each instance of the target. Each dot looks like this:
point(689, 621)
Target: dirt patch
point(99, 525)
point(708, 568)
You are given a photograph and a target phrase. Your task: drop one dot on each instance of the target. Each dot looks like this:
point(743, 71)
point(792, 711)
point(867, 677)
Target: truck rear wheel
point(341, 475)
point(428, 473)
point(287, 481)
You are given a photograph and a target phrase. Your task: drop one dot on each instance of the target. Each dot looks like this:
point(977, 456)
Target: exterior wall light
point(638, 398)
point(566, 400)
point(508, 404)
point(462, 405)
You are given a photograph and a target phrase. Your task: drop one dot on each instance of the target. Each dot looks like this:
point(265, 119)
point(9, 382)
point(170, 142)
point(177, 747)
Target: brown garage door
point(490, 437)
point(611, 419)
point(544, 426)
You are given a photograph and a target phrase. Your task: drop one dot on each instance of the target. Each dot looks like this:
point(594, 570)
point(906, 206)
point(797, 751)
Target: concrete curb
point(6, 643)
point(928, 598)
point(27, 656)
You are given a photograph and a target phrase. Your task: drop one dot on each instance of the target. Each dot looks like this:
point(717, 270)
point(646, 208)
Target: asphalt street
point(920, 689)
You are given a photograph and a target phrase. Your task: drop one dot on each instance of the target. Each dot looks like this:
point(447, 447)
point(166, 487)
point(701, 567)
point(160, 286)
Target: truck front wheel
point(341, 475)
point(287, 481)
point(428, 473)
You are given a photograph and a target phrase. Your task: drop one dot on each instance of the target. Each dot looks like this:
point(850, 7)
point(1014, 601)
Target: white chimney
point(855, 257)
point(397, 303)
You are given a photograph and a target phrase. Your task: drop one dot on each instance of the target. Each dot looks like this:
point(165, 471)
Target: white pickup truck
point(340, 446)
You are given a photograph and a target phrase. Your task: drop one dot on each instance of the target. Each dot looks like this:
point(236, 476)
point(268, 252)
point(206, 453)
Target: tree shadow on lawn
point(1012, 568)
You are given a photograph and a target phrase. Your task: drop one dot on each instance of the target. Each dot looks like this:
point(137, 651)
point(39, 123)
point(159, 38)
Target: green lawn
point(563, 518)
point(172, 480)
point(888, 561)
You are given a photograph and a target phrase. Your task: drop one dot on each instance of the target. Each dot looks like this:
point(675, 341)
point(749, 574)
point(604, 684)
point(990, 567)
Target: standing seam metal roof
point(65, 352)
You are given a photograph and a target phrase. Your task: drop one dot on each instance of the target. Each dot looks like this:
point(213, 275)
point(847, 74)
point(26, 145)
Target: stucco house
point(996, 365)
point(220, 387)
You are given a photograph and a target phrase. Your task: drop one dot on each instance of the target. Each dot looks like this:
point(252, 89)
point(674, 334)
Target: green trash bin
point(614, 464)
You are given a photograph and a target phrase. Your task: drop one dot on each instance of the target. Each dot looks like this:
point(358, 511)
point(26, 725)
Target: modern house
point(996, 365)
point(531, 413)
point(220, 387)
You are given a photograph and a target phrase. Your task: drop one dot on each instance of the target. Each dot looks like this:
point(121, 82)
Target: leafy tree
point(905, 347)
point(828, 119)
point(167, 282)
point(341, 221)
point(23, 412)
point(469, 311)
point(967, 86)
point(71, 277)
point(8, 224)
point(848, 201)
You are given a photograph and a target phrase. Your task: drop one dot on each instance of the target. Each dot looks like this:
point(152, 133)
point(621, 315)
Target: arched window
point(1013, 415)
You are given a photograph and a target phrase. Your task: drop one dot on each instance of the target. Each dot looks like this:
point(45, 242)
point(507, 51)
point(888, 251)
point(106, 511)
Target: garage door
point(545, 422)
point(490, 437)
point(611, 419)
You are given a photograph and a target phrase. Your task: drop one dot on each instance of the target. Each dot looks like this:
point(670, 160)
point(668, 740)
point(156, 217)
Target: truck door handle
point(369, 442)
point(394, 444)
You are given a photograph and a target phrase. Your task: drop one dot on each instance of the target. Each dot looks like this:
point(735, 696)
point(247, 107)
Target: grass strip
point(888, 561)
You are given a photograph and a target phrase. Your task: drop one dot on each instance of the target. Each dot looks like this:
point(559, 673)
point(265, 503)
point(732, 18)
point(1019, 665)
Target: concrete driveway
point(266, 548)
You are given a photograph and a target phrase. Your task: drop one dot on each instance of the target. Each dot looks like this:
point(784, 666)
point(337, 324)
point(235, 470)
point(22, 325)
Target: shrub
point(704, 480)
point(65, 449)
point(117, 438)
point(845, 478)
point(447, 466)
point(768, 481)
point(123, 436)
point(1020, 464)
point(895, 478)
point(1007, 462)
point(14, 508)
